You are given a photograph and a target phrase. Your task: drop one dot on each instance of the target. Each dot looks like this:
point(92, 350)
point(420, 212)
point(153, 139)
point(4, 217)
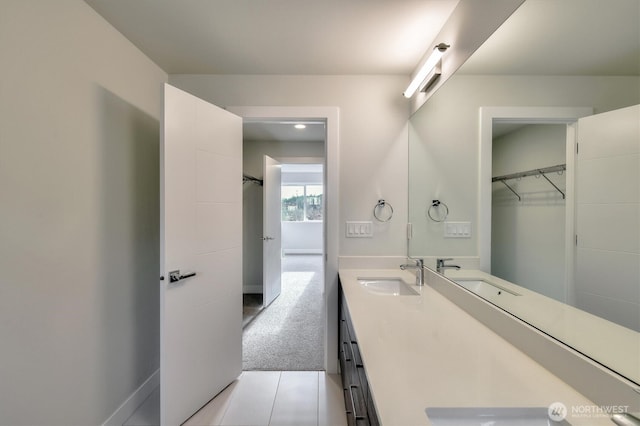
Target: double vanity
point(426, 361)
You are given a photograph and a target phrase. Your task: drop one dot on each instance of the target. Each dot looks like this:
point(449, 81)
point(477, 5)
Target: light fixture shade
point(426, 68)
point(431, 78)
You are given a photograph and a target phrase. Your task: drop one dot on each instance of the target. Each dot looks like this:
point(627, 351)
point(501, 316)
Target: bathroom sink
point(387, 286)
point(485, 288)
point(494, 416)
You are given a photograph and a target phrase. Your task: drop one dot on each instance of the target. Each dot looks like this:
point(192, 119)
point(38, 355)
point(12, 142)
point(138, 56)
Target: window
point(301, 203)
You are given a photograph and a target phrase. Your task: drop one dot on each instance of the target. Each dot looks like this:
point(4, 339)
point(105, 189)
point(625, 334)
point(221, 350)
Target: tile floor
point(266, 398)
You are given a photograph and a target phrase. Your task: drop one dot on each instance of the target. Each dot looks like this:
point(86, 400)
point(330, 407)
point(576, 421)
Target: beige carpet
point(289, 333)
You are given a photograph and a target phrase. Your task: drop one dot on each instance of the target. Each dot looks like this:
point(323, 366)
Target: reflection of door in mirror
point(607, 281)
point(528, 212)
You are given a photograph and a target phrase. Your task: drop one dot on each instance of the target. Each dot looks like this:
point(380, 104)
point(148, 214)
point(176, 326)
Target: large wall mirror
point(496, 147)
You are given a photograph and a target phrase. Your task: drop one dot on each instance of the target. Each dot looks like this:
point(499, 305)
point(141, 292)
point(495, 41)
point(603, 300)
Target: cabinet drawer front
point(372, 415)
point(352, 332)
point(363, 383)
point(355, 352)
point(357, 402)
point(345, 340)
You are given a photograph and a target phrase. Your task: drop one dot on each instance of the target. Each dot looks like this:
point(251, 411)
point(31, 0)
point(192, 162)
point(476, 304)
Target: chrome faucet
point(419, 267)
point(441, 266)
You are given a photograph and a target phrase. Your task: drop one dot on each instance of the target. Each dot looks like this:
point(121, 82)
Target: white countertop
point(424, 351)
point(607, 342)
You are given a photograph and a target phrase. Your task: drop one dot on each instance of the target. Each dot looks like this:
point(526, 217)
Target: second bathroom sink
point(387, 286)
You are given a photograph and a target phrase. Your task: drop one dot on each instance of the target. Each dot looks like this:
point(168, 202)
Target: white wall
point(302, 237)
point(444, 134)
point(79, 214)
point(373, 139)
point(528, 236)
point(608, 216)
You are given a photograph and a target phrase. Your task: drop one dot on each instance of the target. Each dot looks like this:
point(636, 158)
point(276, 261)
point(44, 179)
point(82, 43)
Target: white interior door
point(271, 228)
point(201, 234)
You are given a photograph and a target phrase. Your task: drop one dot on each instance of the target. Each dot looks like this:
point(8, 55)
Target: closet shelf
point(560, 168)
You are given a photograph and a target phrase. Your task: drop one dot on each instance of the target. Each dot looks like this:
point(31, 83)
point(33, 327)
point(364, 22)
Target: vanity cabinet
point(358, 400)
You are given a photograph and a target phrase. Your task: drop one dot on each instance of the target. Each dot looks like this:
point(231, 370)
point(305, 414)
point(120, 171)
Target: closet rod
point(535, 172)
point(247, 178)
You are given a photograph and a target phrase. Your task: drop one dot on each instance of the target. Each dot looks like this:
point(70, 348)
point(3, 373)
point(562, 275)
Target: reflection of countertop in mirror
point(424, 351)
point(608, 343)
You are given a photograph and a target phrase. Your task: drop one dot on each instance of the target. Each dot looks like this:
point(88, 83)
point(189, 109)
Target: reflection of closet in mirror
point(528, 233)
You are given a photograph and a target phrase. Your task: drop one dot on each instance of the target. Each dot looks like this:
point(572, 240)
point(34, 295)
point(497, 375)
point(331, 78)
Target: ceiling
point(564, 37)
point(333, 37)
point(546, 37)
point(280, 36)
point(259, 131)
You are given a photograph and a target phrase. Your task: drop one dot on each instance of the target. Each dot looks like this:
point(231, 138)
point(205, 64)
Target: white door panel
point(272, 232)
point(212, 180)
point(201, 318)
point(226, 232)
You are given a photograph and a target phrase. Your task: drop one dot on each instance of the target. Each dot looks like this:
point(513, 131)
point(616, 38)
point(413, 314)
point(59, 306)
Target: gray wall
point(79, 239)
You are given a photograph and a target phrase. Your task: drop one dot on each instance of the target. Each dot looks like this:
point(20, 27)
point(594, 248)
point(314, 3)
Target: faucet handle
point(441, 260)
point(419, 262)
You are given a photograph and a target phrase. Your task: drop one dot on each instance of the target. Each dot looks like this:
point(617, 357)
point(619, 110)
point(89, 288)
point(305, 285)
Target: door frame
point(526, 115)
point(330, 115)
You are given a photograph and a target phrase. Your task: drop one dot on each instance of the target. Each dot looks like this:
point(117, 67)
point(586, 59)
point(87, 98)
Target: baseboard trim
point(129, 406)
point(302, 251)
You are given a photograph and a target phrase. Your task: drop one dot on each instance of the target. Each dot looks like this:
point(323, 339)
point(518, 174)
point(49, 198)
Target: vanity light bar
point(426, 68)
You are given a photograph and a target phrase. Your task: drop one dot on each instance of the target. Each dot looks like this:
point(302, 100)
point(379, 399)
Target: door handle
point(175, 276)
point(267, 238)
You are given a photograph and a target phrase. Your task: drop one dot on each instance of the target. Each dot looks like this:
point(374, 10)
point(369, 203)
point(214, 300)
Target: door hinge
point(576, 240)
point(577, 149)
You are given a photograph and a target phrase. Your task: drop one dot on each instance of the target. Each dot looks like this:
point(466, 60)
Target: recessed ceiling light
point(300, 126)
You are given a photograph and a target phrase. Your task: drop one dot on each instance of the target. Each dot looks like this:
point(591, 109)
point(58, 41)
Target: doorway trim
point(330, 115)
point(526, 115)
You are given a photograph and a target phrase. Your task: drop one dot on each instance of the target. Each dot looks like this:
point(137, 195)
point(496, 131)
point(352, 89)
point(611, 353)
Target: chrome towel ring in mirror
point(383, 211)
point(438, 211)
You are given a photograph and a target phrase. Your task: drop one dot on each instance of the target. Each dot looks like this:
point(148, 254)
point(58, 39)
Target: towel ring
point(381, 212)
point(435, 206)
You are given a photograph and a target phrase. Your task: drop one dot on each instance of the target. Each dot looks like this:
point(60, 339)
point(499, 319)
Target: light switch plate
point(457, 229)
point(359, 229)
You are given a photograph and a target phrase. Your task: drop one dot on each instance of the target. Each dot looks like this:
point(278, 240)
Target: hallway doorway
point(285, 331)
point(328, 155)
